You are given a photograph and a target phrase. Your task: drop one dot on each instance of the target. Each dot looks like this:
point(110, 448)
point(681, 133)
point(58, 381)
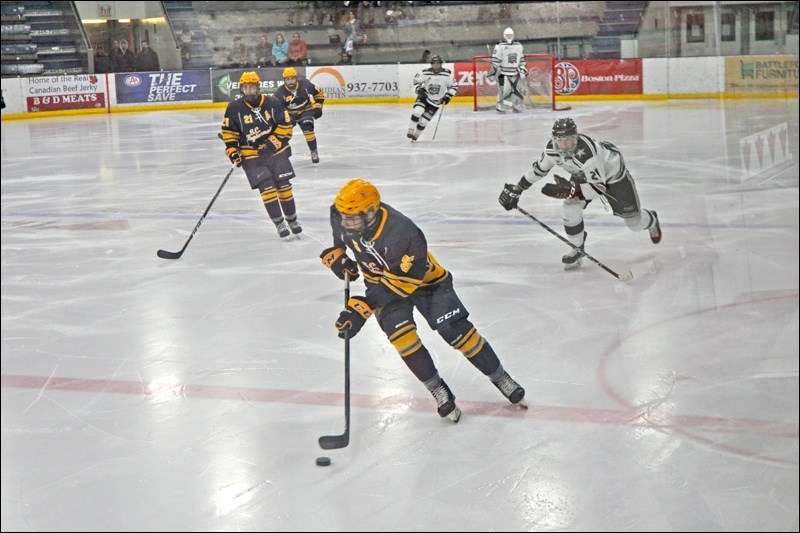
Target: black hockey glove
point(562, 188)
point(337, 260)
point(422, 93)
point(510, 196)
point(317, 111)
point(234, 156)
point(354, 316)
point(446, 99)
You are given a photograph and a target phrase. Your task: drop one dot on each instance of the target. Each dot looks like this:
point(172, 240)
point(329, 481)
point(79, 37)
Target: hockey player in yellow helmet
point(250, 87)
point(256, 131)
point(401, 275)
point(303, 100)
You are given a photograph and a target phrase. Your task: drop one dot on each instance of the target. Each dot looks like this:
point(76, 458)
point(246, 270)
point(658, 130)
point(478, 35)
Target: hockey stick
point(516, 91)
point(625, 276)
point(332, 442)
point(164, 254)
point(441, 111)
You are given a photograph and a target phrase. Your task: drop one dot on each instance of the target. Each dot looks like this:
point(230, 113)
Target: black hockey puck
point(323, 461)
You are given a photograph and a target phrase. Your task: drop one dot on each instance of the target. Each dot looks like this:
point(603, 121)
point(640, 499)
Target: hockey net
point(537, 89)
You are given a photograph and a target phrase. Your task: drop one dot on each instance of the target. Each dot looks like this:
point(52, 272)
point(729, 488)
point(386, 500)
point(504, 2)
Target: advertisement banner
point(225, 83)
point(155, 87)
point(573, 77)
point(761, 73)
point(598, 76)
point(463, 75)
point(347, 81)
point(59, 93)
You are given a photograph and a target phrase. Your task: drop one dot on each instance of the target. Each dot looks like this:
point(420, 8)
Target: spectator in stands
point(263, 51)
point(315, 13)
point(366, 12)
point(147, 59)
point(344, 59)
point(115, 55)
point(126, 60)
point(102, 63)
point(239, 56)
point(298, 51)
point(2, 100)
point(296, 17)
point(186, 43)
point(408, 9)
point(394, 13)
point(281, 49)
point(426, 57)
point(353, 34)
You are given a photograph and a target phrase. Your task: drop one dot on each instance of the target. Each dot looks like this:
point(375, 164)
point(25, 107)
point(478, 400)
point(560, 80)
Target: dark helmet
point(436, 59)
point(565, 136)
point(564, 127)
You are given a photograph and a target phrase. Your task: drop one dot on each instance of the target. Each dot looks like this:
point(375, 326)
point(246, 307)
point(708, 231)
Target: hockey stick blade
point(334, 442)
point(624, 277)
point(164, 254)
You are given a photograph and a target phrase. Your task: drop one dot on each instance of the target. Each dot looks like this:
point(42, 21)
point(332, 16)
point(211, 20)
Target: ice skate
point(655, 229)
point(446, 402)
point(574, 259)
point(283, 229)
point(512, 390)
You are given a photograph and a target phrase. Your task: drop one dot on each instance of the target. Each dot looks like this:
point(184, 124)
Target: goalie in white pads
point(435, 86)
point(509, 68)
point(597, 170)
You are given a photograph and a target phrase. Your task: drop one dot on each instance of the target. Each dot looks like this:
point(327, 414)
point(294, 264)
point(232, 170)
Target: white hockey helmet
point(508, 35)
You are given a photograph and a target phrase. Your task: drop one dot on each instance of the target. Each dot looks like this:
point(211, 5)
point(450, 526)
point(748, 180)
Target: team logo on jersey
point(405, 263)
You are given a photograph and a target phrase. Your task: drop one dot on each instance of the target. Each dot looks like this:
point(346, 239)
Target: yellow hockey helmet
point(358, 196)
point(290, 72)
point(249, 77)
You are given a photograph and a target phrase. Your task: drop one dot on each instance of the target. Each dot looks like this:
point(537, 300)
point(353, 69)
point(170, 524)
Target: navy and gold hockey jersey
point(395, 260)
point(255, 130)
point(305, 97)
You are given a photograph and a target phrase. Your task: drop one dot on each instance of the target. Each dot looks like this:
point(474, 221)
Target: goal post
point(537, 88)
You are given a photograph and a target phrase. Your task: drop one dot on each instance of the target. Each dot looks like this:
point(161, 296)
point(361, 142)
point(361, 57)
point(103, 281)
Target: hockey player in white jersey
point(435, 86)
point(597, 170)
point(508, 67)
